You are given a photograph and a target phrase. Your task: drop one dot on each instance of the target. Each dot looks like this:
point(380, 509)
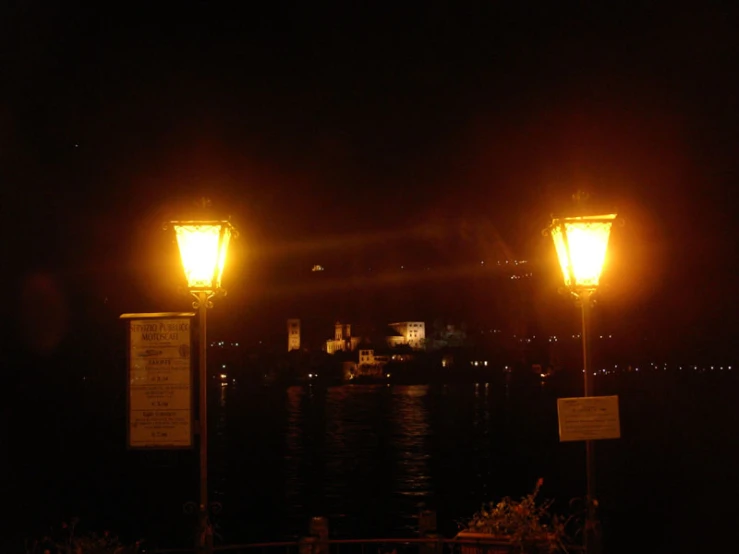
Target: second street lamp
point(203, 247)
point(581, 243)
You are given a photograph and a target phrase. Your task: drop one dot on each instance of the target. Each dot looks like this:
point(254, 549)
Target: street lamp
point(203, 246)
point(581, 243)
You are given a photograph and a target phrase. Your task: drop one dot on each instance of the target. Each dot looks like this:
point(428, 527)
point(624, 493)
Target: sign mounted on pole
point(588, 418)
point(160, 392)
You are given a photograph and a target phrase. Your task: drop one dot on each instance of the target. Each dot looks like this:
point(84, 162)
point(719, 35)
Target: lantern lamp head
point(581, 243)
point(203, 247)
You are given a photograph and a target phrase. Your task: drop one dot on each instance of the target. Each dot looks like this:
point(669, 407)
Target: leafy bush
point(68, 540)
point(524, 523)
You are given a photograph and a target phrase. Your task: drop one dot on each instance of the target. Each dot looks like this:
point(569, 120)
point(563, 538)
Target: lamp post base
point(205, 533)
point(592, 536)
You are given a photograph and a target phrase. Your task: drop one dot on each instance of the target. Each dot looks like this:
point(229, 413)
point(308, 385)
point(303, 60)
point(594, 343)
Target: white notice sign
point(588, 418)
point(160, 383)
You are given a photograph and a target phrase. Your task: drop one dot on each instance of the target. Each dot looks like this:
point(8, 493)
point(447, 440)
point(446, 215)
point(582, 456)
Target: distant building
point(343, 340)
point(348, 370)
point(411, 333)
point(370, 365)
point(293, 334)
point(366, 357)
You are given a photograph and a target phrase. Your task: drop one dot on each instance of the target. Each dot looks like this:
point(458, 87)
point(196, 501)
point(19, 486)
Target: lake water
point(370, 457)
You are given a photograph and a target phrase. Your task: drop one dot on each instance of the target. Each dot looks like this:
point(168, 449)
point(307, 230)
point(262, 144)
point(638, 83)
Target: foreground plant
point(523, 523)
point(68, 540)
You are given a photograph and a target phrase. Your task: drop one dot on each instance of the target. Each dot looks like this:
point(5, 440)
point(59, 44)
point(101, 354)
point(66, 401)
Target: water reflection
point(368, 457)
point(410, 439)
point(294, 453)
point(354, 431)
point(218, 447)
point(367, 465)
point(484, 440)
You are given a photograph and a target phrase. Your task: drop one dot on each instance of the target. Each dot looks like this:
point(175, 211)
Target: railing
point(310, 545)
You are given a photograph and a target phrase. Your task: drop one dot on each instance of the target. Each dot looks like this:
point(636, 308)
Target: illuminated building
point(409, 333)
point(369, 365)
point(343, 340)
point(293, 334)
point(366, 357)
point(412, 333)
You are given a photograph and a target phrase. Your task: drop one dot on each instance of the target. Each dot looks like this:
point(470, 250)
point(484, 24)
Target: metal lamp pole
point(581, 242)
point(205, 532)
point(592, 545)
point(203, 246)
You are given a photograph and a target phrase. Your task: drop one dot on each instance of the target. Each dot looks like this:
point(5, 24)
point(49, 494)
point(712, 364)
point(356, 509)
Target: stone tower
point(293, 334)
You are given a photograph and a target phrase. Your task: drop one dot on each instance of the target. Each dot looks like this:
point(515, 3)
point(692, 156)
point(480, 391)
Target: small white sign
point(588, 418)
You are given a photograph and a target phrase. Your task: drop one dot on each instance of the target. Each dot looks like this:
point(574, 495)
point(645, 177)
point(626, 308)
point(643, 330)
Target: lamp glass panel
point(560, 245)
point(199, 250)
point(586, 243)
point(225, 239)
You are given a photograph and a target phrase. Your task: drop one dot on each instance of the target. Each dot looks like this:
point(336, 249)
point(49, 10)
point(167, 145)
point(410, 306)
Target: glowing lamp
point(581, 243)
point(203, 246)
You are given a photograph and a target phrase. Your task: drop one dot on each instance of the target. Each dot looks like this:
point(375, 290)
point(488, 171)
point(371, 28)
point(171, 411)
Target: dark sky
point(341, 126)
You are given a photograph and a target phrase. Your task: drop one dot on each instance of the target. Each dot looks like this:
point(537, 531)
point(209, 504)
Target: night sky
point(346, 134)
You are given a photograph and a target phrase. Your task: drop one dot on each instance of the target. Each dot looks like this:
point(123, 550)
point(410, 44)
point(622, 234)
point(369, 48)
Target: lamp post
point(203, 246)
point(581, 243)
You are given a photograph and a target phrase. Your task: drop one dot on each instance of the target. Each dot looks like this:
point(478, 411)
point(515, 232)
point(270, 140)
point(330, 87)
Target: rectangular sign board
point(160, 392)
point(588, 418)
